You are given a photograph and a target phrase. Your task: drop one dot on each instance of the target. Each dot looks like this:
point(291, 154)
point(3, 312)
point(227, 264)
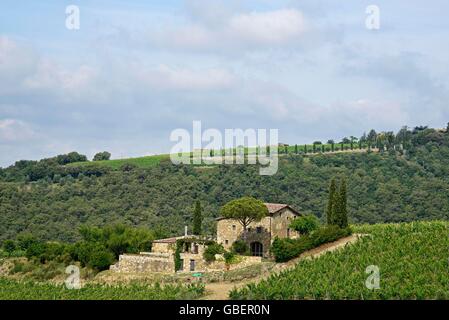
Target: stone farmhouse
point(259, 237)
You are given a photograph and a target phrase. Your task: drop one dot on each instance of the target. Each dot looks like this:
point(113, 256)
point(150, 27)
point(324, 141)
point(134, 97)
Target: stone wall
point(280, 226)
point(148, 262)
point(162, 247)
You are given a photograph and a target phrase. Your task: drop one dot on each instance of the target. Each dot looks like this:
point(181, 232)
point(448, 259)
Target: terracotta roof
point(168, 240)
point(173, 239)
point(273, 208)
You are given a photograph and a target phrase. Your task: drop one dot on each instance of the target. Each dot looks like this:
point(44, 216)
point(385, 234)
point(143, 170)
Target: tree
point(245, 210)
point(330, 203)
point(305, 224)
point(340, 212)
point(9, 246)
point(372, 137)
point(101, 156)
point(197, 219)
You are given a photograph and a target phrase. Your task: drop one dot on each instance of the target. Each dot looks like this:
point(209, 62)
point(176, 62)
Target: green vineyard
point(15, 290)
point(412, 259)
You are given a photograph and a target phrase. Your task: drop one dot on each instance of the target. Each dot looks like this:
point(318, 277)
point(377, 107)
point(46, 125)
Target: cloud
point(268, 28)
point(12, 130)
point(234, 32)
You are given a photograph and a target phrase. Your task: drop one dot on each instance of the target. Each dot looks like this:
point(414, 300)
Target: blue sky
point(136, 70)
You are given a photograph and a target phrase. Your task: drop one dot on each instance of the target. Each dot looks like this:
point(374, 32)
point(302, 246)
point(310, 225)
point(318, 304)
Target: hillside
point(383, 187)
point(412, 260)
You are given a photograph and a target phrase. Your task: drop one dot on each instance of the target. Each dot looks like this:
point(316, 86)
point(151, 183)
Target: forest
point(406, 180)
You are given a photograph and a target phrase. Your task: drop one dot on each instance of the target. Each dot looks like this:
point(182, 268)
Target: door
point(192, 265)
point(257, 249)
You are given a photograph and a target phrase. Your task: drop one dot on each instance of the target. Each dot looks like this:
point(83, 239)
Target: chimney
point(185, 231)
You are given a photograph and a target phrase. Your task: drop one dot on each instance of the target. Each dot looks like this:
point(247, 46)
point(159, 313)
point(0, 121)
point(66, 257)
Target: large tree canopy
point(246, 210)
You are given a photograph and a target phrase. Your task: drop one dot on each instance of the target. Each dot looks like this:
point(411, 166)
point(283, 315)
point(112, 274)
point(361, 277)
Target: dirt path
point(220, 290)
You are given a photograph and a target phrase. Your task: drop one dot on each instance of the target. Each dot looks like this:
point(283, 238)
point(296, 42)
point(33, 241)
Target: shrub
point(229, 257)
point(211, 251)
point(240, 247)
point(287, 249)
point(305, 224)
point(9, 246)
point(100, 259)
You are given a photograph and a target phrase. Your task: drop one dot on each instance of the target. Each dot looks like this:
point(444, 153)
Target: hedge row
point(287, 249)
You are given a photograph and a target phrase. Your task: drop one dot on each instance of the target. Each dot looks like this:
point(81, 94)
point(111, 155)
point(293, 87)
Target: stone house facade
point(259, 235)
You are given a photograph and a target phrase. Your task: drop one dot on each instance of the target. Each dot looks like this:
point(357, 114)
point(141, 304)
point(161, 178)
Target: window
point(233, 227)
point(249, 229)
point(195, 249)
point(192, 265)
point(226, 241)
point(181, 267)
point(259, 229)
point(288, 233)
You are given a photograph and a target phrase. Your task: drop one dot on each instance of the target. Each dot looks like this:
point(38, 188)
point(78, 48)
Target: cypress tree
point(331, 203)
point(340, 210)
point(343, 205)
point(296, 149)
point(197, 219)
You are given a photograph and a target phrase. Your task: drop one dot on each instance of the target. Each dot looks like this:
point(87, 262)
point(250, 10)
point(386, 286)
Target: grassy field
point(150, 161)
point(142, 162)
point(412, 259)
point(15, 290)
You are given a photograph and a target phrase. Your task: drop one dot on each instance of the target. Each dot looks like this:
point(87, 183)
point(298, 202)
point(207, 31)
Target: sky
point(135, 71)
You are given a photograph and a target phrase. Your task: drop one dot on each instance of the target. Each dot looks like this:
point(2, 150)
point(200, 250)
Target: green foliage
point(177, 257)
point(381, 187)
point(15, 290)
point(197, 219)
point(246, 210)
point(240, 247)
point(331, 202)
point(212, 250)
point(340, 214)
point(412, 260)
point(229, 257)
point(305, 224)
point(99, 248)
point(9, 246)
point(287, 249)
point(102, 156)
point(337, 208)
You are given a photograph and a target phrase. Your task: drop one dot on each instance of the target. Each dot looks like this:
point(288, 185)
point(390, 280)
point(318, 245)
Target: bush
point(305, 224)
point(229, 257)
point(287, 249)
point(100, 259)
point(240, 247)
point(211, 251)
point(9, 246)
